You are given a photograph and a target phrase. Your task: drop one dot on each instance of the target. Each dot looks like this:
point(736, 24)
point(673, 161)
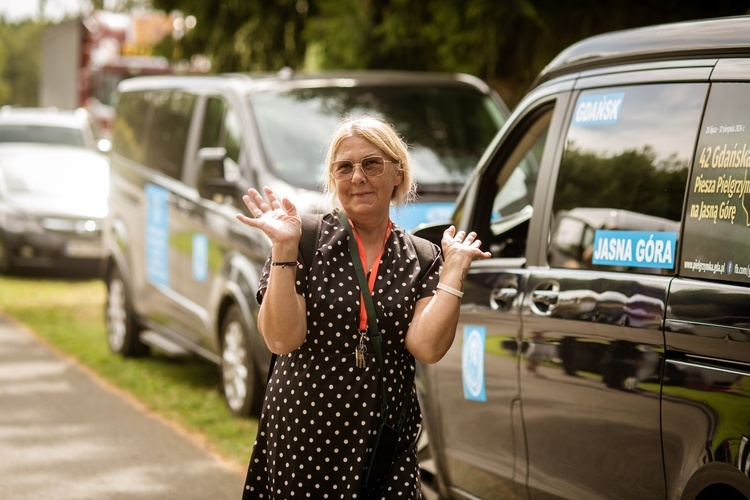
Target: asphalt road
point(65, 434)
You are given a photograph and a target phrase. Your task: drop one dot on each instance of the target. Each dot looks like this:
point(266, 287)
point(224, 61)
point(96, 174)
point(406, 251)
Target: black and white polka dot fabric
point(321, 412)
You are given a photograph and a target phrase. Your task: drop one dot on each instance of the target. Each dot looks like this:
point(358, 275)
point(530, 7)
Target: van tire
point(123, 330)
point(240, 383)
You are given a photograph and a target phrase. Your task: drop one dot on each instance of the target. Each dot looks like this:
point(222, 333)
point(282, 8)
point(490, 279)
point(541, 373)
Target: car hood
point(59, 206)
point(54, 181)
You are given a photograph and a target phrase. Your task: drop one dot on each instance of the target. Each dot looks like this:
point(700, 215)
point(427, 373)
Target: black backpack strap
point(307, 243)
point(310, 234)
point(425, 253)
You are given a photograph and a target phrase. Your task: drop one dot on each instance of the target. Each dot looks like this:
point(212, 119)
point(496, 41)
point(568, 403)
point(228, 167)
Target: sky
point(17, 10)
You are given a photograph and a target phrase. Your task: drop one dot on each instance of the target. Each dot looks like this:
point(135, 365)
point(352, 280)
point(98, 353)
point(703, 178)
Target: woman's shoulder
point(425, 250)
point(329, 228)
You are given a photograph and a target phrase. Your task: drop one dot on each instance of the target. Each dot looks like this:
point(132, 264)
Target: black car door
point(593, 345)
point(472, 395)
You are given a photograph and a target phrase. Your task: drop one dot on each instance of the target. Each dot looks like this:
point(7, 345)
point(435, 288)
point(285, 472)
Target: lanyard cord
point(373, 272)
point(375, 338)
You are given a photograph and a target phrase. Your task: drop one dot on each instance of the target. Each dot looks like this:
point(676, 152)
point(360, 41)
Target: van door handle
point(502, 298)
point(544, 298)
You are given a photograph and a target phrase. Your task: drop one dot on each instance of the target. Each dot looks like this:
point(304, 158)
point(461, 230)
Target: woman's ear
point(399, 177)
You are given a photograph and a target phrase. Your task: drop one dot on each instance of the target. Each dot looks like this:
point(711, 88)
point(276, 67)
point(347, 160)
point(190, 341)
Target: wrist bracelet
point(450, 290)
point(284, 264)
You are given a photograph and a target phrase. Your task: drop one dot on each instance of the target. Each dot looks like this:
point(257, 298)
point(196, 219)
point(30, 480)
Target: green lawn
point(70, 316)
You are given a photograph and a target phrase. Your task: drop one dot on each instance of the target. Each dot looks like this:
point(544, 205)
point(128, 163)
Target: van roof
point(726, 36)
point(304, 79)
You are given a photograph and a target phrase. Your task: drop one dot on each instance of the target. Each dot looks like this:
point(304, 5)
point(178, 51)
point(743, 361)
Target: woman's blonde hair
point(382, 135)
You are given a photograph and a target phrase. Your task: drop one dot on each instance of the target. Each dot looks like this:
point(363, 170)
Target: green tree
point(19, 62)
point(504, 42)
point(241, 35)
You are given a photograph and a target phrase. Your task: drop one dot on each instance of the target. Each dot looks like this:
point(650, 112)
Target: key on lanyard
point(360, 352)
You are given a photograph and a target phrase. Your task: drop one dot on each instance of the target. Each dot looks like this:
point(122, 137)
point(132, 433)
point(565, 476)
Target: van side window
point(222, 128)
point(513, 184)
point(717, 223)
point(129, 124)
point(621, 186)
point(167, 139)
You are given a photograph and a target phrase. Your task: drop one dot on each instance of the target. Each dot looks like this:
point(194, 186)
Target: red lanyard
point(373, 272)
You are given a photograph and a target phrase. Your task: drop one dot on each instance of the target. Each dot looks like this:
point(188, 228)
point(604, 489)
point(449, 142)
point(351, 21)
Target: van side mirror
point(432, 231)
point(212, 181)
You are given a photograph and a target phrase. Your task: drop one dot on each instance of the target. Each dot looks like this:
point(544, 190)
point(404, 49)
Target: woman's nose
point(358, 174)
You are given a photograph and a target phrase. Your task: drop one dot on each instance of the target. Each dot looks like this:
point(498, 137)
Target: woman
point(322, 405)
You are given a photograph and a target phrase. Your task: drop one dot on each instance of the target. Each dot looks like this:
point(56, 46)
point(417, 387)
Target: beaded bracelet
point(450, 290)
point(283, 264)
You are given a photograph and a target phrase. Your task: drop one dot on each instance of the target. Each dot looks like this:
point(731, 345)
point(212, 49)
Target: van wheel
point(122, 327)
point(239, 378)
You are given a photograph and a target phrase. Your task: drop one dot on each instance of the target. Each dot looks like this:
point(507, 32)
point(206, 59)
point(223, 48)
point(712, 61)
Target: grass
point(69, 315)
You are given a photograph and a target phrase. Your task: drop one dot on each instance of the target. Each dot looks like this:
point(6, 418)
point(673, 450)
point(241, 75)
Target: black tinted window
point(168, 133)
point(222, 128)
point(621, 186)
point(128, 137)
point(152, 128)
point(717, 226)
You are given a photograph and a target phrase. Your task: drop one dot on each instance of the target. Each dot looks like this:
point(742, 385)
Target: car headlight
point(21, 223)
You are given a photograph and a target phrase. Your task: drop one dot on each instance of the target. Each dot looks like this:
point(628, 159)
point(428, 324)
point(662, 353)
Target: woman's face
point(363, 196)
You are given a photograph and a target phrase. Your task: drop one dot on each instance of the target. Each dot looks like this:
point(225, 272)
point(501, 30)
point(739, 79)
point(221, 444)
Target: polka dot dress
point(321, 413)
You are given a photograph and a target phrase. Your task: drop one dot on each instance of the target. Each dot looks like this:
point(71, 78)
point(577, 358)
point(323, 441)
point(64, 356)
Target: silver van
point(181, 272)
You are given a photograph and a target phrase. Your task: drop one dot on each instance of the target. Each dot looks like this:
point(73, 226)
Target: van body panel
point(606, 338)
point(705, 409)
point(187, 148)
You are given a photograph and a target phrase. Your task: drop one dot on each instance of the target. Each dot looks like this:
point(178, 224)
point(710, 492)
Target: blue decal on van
point(157, 235)
point(598, 109)
point(200, 257)
point(635, 248)
point(472, 363)
point(410, 216)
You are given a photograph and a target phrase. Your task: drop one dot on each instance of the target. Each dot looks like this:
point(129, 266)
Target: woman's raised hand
point(278, 219)
point(460, 248)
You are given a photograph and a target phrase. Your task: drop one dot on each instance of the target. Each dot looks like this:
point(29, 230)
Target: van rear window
point(717, 224)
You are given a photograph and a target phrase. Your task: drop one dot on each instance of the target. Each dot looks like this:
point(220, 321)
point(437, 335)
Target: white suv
point(50, 126)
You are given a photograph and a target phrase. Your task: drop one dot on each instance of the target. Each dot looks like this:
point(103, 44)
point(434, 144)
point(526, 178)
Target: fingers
point(253, 200)
point(463, 242)
point(449, 233)
point(273, 201)
point(460, 237)
point(290, 207)
point(257, 205)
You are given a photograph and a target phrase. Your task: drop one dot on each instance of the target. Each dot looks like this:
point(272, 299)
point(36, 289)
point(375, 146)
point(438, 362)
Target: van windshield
point(447, 129)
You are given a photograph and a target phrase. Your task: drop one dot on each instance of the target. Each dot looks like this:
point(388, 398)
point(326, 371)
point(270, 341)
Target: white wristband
point(450, 290)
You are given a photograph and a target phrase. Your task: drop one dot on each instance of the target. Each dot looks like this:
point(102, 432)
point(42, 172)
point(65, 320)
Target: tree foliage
point(19, 62)
point(242, 35)
point(506, 43)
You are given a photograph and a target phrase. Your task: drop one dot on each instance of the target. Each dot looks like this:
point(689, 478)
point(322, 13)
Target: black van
point(181, 272)
point(604, 350)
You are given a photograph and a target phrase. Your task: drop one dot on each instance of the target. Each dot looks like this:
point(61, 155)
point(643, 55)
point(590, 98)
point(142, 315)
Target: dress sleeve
point(429, 279)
